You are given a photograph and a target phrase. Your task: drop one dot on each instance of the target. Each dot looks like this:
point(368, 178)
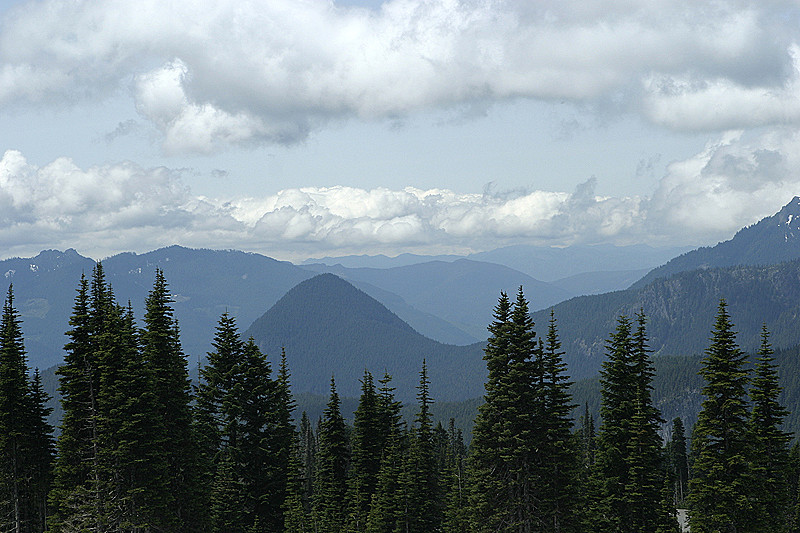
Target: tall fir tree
point(73, 500)
point(367, 449)
point(40, 452)
point(628, 470)
point(247, 433)
point(333, 459)
point(131, 437)
point(23, 432)
point(385, 510)
point(559, 453)
point(720, 496)
point(419, 483)
point(770, 455)
point(161, 350)
point(678, 462)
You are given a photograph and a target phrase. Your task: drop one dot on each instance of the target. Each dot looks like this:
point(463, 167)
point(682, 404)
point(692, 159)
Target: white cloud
point(209, 74)
point(734, 181)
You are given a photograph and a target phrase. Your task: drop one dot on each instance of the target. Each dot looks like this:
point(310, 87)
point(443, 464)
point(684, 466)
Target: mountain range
point(395, 316)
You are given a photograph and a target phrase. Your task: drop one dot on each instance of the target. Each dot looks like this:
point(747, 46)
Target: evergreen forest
point(141, 448)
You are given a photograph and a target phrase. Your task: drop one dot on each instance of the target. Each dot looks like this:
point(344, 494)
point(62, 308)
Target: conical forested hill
point(328, 327)
point(771, 240)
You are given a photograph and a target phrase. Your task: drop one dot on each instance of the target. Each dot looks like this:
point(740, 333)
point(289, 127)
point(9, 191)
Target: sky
point(310, 128)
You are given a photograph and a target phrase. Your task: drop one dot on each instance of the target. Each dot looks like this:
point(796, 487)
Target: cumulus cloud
point(734, 181)
point(210, 74)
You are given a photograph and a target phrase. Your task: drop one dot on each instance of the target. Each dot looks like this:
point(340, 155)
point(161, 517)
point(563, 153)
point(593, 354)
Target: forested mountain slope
point(679, 310)
point(771, 240)
point(328, 327)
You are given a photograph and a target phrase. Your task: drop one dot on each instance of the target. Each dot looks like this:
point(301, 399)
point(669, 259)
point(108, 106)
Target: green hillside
point(328, 327)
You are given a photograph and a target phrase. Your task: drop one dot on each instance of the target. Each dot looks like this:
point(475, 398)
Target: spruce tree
point(719, 496)
point(333, 458)
point(385, 510)
point(770, 454)
point(454, 477)
point(162, 352)
point(367, 450)
point(22, 431)
point(78, 386)
point(308, 454)
point(507, 430)
point(678, 462)
point(559, 453)
point(77, 497)
point(588, 438)
point(420, 491)
point(40, 452)
point(245, 419)
point(628, 468)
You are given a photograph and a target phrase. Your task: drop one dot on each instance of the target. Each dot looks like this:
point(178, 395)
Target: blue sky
point(300, 128)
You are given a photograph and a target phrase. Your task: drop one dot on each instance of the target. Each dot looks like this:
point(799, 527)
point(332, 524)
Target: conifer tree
point(308, 454)
point(333, 458)
point(719, 497)
point(420, 494)
point(161, 350)
point(588, 438)
point(678, 461)
point(456, 519)
point(74, 504)
point(367, 450)
point(131, 435)
point(40, 453)
point(22, 431)
point(770, 455)
point(385, 510)
point(245, 419)
point(558, 454)
point(628, 468)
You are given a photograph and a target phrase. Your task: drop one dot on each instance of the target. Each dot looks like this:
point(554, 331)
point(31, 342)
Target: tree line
point(142, 450)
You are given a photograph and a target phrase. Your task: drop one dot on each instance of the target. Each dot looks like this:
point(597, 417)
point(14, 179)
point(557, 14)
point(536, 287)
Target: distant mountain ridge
point(462, 292)
point(771, 240)
point(680, 311)
point(329, 327)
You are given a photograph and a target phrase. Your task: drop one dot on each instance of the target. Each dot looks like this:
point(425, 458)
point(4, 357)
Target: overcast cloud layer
point(208, 74)
point(206, 77)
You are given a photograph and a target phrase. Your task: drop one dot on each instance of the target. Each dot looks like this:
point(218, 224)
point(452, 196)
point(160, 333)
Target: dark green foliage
point(247, 434)
point(40, 453)
point(162, 352)
point(456, 514)
point(770, 455)
point(420, 497)
point(333, 459)
point(559, 454)
point(677, 462)
point(628, 471)
point(719, 496)
point(588, 438)
point(368, 441)
point(131, 435)
point(524, 459)
point(25, 437)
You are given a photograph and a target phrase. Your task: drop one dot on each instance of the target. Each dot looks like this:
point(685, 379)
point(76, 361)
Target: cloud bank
point(102, 210)
point(210, 74)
